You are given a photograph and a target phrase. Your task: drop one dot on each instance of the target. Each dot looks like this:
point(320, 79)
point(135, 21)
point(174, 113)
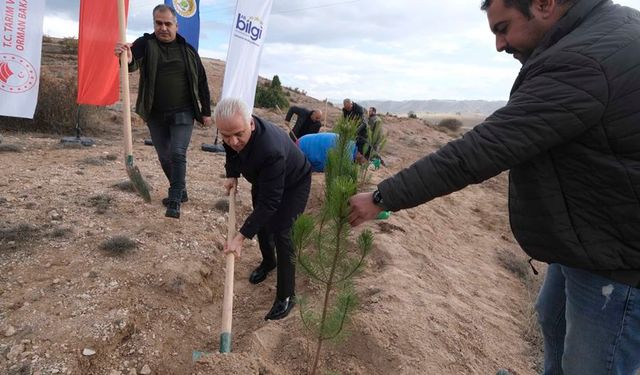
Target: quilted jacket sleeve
point(552, 102)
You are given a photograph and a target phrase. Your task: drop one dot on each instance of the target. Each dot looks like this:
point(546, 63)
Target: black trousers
point(274, 238)
point(171, 134)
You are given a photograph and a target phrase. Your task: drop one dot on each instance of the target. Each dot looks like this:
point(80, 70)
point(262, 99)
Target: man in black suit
point(280, 178)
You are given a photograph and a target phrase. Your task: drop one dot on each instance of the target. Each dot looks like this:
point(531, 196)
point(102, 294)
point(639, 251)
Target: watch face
point(377, 197)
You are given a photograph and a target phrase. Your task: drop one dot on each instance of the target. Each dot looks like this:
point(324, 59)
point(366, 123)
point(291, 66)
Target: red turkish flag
point(98, 67)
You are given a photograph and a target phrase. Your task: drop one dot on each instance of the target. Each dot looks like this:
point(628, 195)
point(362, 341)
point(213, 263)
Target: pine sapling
point(324, 252)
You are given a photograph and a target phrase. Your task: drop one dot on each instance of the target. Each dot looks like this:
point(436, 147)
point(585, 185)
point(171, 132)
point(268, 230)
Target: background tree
point(270, 95)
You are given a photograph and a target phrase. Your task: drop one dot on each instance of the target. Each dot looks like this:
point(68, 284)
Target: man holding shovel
point(173, 91)
point(307, 122)
point(280, 178)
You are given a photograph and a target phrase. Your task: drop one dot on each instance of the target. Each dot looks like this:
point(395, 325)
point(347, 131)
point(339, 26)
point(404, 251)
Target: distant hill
point(432, 106)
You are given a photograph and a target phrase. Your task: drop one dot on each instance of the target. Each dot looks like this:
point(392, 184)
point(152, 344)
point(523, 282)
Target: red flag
point(98, 79)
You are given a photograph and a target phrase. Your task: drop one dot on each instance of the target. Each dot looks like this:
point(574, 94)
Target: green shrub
point(271, 95)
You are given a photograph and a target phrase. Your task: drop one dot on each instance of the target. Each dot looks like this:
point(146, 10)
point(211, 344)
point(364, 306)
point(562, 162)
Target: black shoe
point(281, 308)
point(173, 209)
point(185, 198)
point(260, 273)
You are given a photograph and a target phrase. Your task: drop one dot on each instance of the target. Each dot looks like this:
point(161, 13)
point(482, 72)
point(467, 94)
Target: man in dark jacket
point(307, 121)
point(280, 178)
point(172, 92)
point(570, 136)
point(353, 111)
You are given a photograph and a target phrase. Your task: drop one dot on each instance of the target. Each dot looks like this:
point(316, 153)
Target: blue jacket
point(316, 148)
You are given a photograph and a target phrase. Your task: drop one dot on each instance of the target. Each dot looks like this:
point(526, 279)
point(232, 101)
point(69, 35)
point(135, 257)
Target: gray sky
point(362, 49)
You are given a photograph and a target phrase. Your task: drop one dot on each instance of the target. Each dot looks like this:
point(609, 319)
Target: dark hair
point(373, 109)
point(164, 8)
point(524, 6)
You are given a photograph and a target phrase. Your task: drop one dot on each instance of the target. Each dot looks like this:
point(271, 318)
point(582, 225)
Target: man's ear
point(544, 8)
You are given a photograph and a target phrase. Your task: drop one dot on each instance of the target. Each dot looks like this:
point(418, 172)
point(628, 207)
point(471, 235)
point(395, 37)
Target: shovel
point(227, 301)
point(295, 139)
point(134, 173)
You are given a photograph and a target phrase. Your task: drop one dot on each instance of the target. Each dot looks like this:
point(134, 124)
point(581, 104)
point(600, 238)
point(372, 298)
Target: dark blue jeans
point(591, 325)
point(171, 134)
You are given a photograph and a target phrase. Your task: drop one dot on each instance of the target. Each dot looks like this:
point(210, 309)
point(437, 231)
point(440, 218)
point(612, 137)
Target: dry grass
point(7, 147)
point(450, 123)
point(222, 205)
point(61, 232)
point(57, 111)
point(118, 245)
point(125, 185)
point(94, 160)
point(14, 236)
point(101, 202)
point(518, 266)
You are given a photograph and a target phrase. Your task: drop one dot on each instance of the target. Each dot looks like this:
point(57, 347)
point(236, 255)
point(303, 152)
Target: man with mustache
point(570, 137)
point(173, 91)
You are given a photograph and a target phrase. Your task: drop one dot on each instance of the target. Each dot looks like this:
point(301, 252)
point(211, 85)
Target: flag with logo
point(98, 67)
point(248, 32)
point(20, 52)
point(188, 19)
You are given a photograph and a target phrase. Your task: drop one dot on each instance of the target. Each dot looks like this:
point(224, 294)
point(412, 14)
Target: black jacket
point(304, 124)
point(272, 164)
point(145, 53)
point(570, 134)
point(356, 112)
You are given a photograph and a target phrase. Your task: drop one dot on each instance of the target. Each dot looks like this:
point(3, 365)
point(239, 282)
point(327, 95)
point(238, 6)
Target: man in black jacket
point(172, 92)
point(354, 112)
point(307, 121)
point(570, 136)
point(280, 178)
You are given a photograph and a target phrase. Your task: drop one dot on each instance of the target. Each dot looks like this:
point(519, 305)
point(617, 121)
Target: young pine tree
point(324, 252)
point(376, 141)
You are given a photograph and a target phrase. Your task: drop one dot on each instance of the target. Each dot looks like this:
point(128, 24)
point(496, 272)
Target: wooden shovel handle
point(227, 302)
point(124, 83)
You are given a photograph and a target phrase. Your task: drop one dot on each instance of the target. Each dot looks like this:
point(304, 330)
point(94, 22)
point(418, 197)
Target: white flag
point(245, 47)
point(20, 50)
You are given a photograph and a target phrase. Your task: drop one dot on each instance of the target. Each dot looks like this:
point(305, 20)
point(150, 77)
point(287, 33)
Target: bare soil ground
point(439, 295)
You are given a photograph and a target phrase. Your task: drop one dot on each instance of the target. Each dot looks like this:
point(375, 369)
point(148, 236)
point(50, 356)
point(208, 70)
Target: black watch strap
point(377, 198)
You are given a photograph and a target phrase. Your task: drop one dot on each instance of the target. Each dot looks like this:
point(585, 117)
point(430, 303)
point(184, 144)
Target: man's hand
point(362, 208)
point(122, 47)
point(230, 183)
point(235, 245)
point(206, 121)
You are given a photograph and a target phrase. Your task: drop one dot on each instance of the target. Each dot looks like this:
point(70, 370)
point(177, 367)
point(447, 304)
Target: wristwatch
point(377, 198)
